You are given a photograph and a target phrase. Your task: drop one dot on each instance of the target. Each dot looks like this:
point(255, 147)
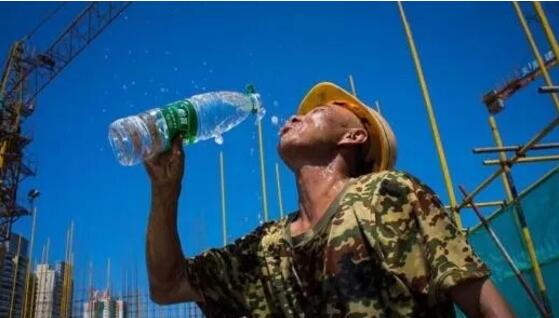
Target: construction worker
point(366, 241)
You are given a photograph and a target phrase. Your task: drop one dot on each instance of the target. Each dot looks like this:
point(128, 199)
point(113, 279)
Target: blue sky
point(156, 53)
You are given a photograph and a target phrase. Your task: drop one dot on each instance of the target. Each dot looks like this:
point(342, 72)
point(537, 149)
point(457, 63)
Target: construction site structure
point(533, 254)
point(25, 74)
point(524, 248)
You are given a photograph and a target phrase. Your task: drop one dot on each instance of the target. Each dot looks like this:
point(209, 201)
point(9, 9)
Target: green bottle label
point(181, 118)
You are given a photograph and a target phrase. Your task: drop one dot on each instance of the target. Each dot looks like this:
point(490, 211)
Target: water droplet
point(175, 68)
point(163, 90)
point(106, 56)
point(124, 87)
point(275, 120)
point(125, 18)
point(218, 139)
point(129, 52)
point(146, 51)
point(133, 83)
point(104, 110)
point(167, 53)
point(260, 114)
point(204, 63)
point(251, 151)
point(275, 103)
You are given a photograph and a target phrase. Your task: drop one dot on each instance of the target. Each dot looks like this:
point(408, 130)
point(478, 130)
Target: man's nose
point(294, 119)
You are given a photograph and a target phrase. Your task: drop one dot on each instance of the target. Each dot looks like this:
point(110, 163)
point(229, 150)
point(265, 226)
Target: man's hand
point(167, 169)
point(168, 280)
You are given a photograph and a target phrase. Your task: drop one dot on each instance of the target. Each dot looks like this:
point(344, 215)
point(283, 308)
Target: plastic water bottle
point(200, 117)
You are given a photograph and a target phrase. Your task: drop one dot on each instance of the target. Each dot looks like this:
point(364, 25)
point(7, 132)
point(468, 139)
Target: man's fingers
point(176, 146)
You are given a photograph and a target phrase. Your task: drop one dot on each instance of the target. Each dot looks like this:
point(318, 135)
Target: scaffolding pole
point(432, 119)
point(520, 218)
point(547, 28)
point(536, 51)
point(26, 294)
point(262, 171)
point(278, 184)
point(530, 159)
point(223, 215)
point(352, 86)
point(515, 148)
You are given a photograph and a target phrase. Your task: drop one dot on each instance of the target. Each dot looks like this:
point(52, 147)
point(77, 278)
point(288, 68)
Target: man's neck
point(317, 186)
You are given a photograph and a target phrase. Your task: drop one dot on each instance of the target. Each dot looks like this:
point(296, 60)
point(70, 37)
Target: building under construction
point(518, 240)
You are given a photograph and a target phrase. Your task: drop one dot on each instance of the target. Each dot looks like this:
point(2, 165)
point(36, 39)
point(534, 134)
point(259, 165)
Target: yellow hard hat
point(382, 151)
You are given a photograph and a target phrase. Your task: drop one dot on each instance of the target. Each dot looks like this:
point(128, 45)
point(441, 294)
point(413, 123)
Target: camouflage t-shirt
point(384, 248)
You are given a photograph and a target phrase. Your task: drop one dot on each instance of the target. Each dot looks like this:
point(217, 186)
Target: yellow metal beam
point(352, 85)
point(432, 119)
point(262, 171)
point(223, 215)
point(27, 296)
point(502, 155)
point(278, 183)
point(530, 159)
point(535, 50)
point(520, 218)
point(547, 29)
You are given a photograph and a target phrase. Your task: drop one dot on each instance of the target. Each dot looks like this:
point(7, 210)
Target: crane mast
point(25, 75)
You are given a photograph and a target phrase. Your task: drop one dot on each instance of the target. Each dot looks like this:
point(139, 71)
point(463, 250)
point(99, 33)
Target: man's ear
point(354, 136)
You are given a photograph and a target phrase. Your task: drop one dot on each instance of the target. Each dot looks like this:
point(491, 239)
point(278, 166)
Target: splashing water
point(274, 120)
point(218, 139)
point(260, 113)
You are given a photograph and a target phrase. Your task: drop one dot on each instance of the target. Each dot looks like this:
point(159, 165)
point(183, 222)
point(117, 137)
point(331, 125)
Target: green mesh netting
point(540, 204)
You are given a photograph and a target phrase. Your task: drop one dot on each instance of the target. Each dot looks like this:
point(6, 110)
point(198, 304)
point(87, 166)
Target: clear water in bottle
point(200, 117)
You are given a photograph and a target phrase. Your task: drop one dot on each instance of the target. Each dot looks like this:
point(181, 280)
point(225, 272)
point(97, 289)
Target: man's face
point(315, 134)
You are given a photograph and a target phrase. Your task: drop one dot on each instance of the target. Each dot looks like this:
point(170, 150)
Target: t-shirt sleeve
point(449, 256)
point(420, 240)
point(221, 274)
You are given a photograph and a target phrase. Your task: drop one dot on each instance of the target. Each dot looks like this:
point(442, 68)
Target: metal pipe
point(548, 89)
point(484, 204)
point(280, 198)
point(26, 294)
point(507, 257)
point(352, 85)
point(540, 135)
point(223, 215)
point(262, 171)
point(528, 242)
point(535, 50)
point(547, 29)
point(523, 160)
point(515, 148)
point(432, 119)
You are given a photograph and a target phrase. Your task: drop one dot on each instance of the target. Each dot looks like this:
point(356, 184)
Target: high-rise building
point(12, 276)
point(103, 305)
point(54, 289)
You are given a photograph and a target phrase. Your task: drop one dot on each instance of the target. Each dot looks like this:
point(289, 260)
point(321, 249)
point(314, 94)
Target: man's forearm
point(480, 298)
point(164, 253)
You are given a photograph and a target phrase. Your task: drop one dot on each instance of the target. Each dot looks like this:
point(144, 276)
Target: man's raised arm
point(168, 281)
